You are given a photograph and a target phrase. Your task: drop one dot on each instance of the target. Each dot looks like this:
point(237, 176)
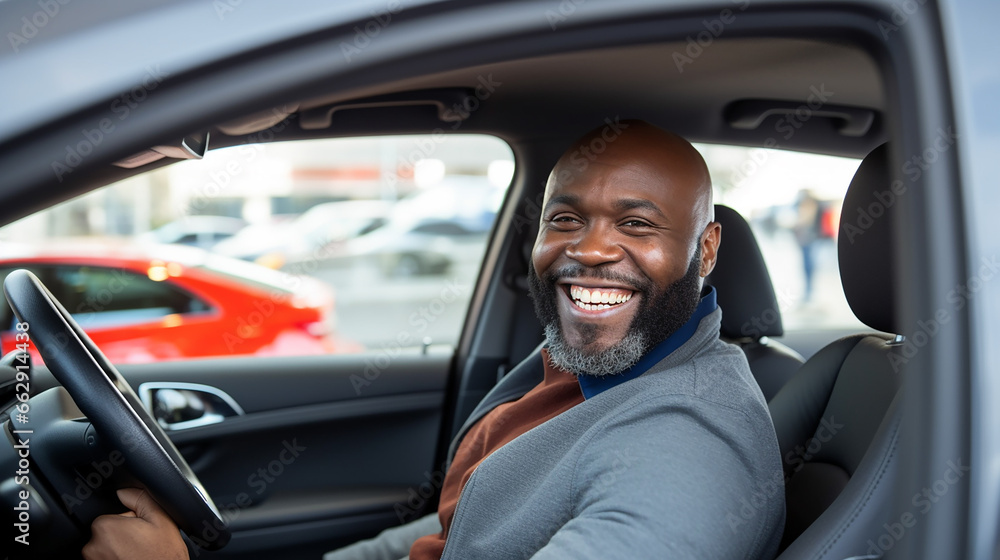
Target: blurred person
point(807, 230)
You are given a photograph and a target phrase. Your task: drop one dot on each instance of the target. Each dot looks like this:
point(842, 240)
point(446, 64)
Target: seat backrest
point(750, 312)
point(837, 418)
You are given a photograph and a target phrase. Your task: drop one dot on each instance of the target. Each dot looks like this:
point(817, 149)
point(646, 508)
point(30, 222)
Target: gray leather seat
point(837, 418)
point(750, 312)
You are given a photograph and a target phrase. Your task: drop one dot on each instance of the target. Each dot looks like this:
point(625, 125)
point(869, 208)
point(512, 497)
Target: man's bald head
point(663, 154)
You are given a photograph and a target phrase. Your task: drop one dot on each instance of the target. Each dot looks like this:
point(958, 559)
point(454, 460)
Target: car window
point(441, 228)
point(100, 298)
point(7, 319)
point(347, 245)
point(792, 201)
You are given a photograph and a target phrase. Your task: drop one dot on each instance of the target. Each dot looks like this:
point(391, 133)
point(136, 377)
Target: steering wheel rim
point(103, 395)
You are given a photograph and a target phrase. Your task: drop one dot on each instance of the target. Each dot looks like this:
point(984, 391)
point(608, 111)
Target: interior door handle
point(180, 406)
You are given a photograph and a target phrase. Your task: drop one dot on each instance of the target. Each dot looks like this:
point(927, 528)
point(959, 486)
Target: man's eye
point(563, 219)
point(636, 223)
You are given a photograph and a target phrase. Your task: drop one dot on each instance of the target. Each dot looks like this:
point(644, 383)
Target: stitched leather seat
point(837, 418)
point(750, 313)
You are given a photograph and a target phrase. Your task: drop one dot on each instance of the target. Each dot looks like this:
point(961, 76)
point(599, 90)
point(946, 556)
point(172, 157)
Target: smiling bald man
point(634, 432)
point(624, 241)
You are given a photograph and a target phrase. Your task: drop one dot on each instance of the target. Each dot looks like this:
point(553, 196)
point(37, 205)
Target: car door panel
point(329, 448)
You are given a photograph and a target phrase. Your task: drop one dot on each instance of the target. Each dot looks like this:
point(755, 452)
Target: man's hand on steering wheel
point(133, 534)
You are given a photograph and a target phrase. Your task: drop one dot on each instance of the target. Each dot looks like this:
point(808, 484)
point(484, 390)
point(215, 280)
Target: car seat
point(750, 312)
point(837, 419)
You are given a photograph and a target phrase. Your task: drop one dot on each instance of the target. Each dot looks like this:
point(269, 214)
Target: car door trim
point(310, 414)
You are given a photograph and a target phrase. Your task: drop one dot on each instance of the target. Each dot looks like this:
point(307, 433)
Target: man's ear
point(711, 238)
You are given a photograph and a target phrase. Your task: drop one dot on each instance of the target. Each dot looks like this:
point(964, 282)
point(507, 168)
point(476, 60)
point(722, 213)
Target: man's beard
point(659, 316)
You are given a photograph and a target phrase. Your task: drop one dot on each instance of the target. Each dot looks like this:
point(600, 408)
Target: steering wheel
point(114, 410)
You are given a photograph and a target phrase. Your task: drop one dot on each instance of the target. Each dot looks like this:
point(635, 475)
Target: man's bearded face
point(659, 313)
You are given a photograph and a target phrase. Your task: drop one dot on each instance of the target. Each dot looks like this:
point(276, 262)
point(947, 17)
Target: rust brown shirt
point(558, 392)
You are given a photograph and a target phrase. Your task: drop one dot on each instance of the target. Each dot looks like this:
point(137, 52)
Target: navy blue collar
point(592, 385)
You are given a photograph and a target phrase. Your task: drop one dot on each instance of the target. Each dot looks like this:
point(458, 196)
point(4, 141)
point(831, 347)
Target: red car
point(144, 304)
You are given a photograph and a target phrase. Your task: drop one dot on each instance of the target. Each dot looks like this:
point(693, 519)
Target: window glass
point(7, 318)
point(101, 297)
point(320, 246)
point(792, 201)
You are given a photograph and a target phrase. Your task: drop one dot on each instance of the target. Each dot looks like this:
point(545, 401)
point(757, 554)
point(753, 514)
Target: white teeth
point(592, 306)
point(596, 299)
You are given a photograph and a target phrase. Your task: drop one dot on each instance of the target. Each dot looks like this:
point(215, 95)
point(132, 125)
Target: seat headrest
point(865, 241)
point(742, 283)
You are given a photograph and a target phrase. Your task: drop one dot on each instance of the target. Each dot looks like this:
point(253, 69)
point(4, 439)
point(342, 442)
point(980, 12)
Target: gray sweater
point(680, 462)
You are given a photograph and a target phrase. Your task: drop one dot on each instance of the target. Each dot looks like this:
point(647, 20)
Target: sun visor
point(193, 146)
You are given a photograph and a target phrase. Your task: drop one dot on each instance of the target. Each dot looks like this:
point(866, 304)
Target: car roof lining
point(651, 81)
point(656, 77)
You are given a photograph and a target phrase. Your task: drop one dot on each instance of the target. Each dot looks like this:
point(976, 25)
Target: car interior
point(366, 437)
point(744, 290)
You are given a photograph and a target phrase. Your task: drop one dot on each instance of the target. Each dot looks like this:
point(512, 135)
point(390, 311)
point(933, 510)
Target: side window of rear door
point(6, 313)
point(101, 297)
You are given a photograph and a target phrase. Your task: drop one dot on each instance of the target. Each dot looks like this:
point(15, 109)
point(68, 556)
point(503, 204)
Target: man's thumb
point(144, 506)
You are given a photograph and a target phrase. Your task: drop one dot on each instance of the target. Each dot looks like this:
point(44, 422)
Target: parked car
point(258, 239)
point(313, 235)
point(149, 304)
point(196, 231)
point(432, 230)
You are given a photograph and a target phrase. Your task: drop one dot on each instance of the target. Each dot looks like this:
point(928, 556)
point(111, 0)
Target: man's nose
point(595, 246)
